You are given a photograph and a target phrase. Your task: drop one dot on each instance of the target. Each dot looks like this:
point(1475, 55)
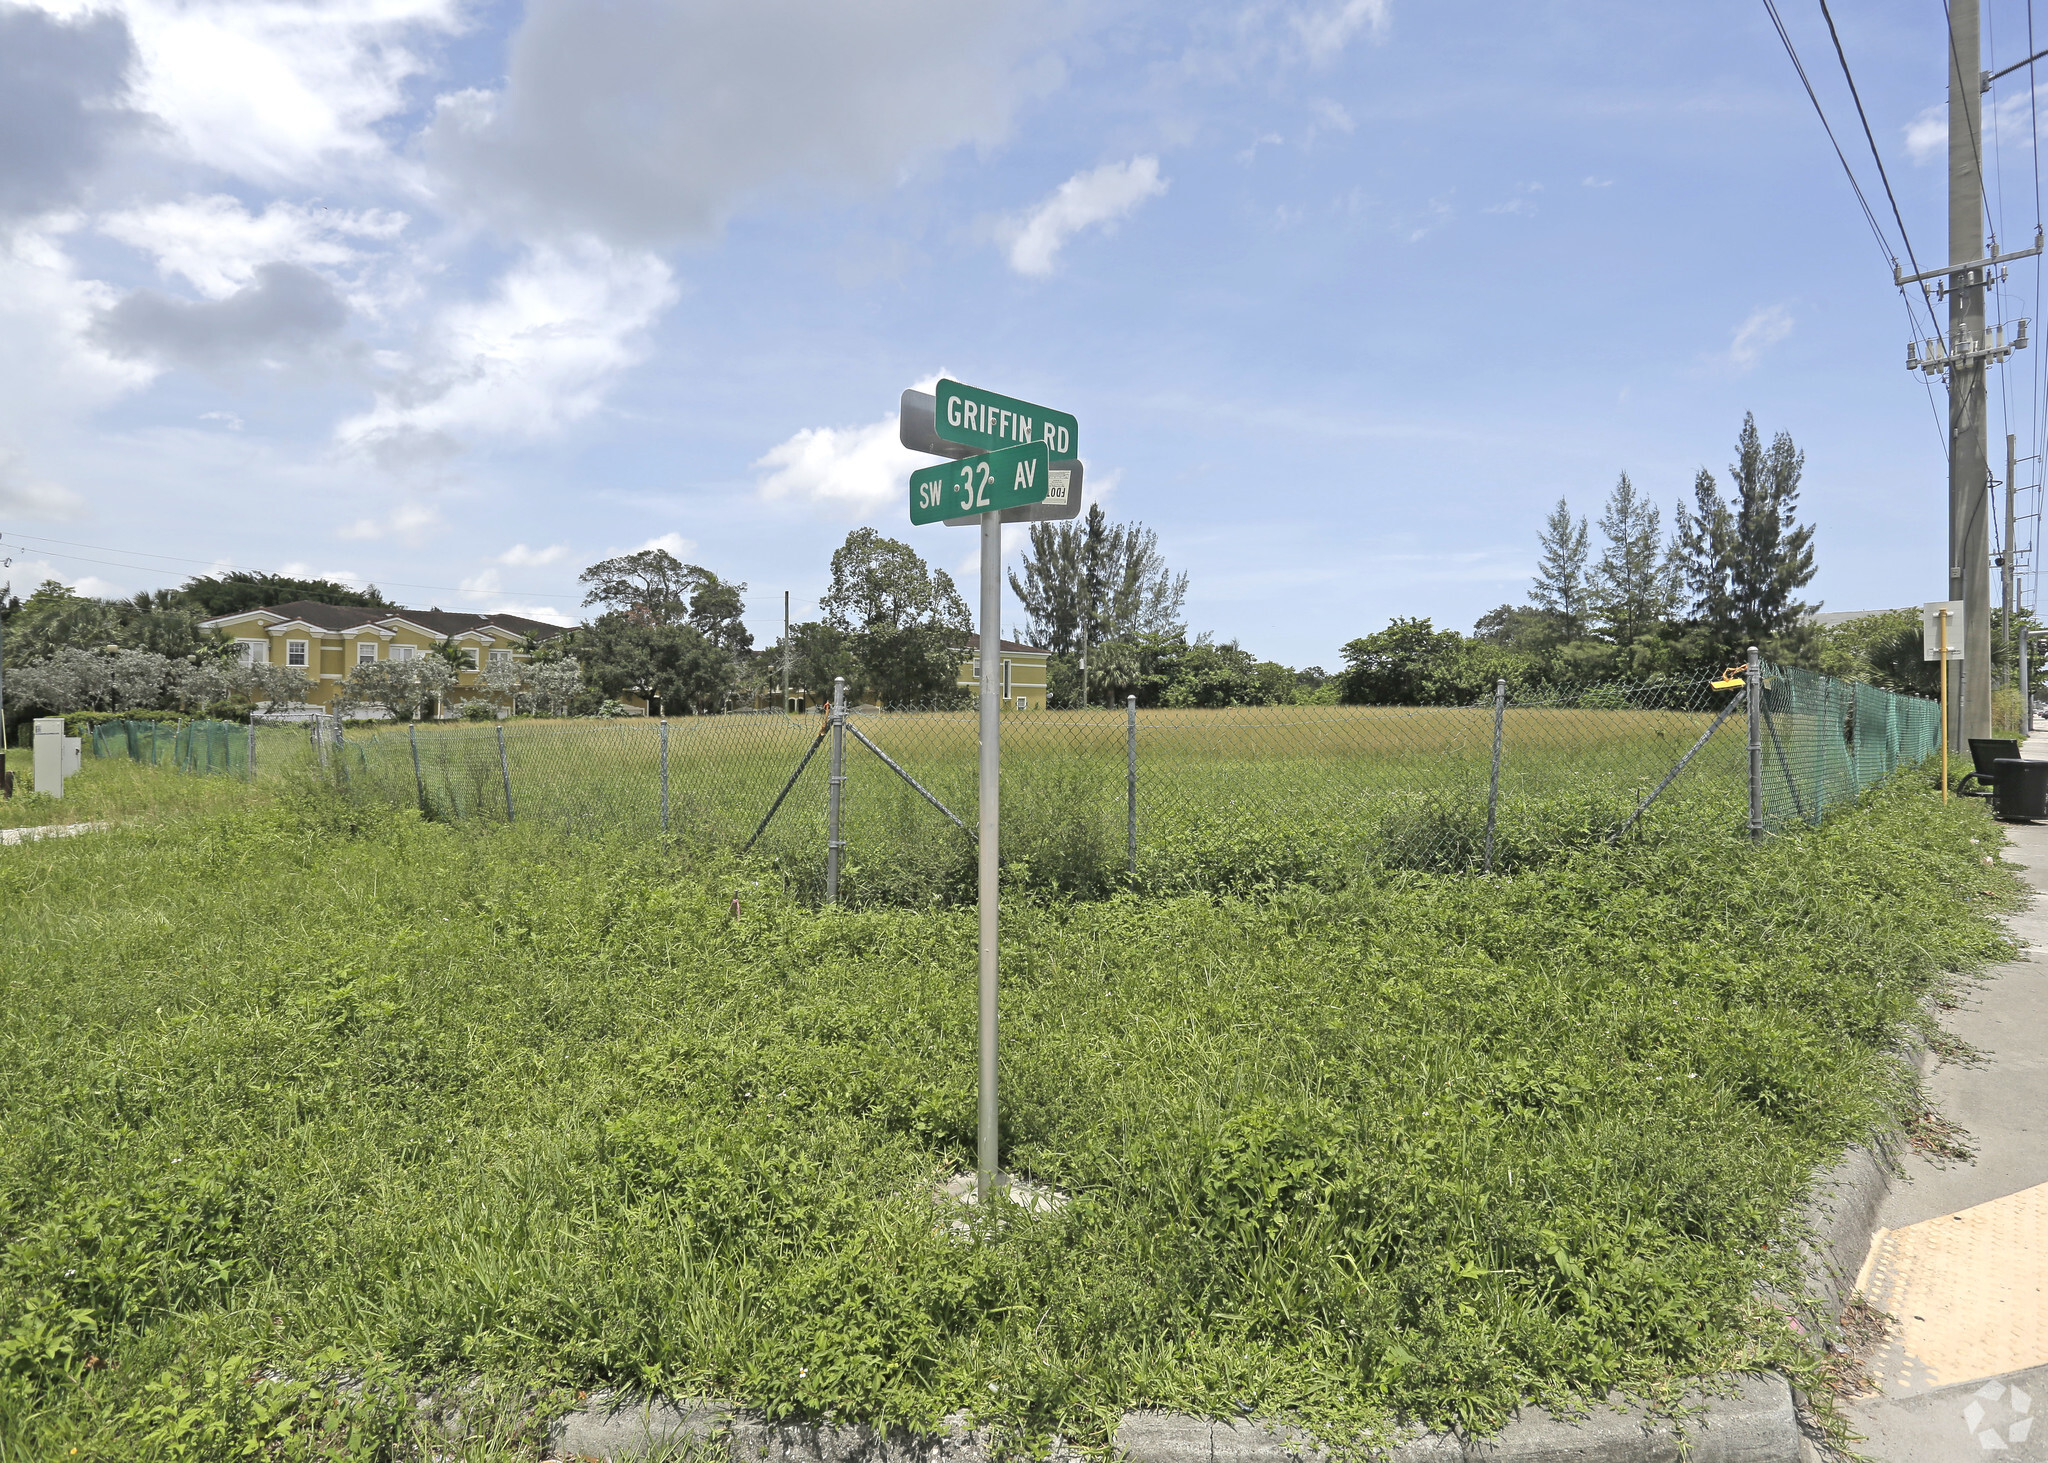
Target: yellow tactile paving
point(1969, 1291)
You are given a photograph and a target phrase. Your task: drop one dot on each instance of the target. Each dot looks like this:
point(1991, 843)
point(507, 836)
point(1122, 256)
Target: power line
point(217, 565)
point(1882, 177)
point(1792, 51)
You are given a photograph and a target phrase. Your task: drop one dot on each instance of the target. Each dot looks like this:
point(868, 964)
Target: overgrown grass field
point(1226, 800)
point(310, 1105)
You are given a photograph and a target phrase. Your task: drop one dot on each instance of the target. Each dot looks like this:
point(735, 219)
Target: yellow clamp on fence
point(1732, 678)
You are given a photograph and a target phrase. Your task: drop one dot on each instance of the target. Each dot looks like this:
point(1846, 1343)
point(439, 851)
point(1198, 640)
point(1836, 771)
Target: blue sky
point(1345, 293)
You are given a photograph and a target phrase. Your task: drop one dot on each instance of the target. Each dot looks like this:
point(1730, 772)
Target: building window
point(366, 651)
point(252, 652)
point(1022, 704)
point(975, 675)
point(295, 653)
point(404, 652)
point(501, 660)
point(469, 657)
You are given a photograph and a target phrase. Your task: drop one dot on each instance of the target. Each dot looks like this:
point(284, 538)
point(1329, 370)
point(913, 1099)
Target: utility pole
point(1969, 534)
point(1974, 266)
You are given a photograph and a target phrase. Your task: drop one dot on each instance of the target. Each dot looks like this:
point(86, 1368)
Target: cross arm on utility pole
point(1949, 271)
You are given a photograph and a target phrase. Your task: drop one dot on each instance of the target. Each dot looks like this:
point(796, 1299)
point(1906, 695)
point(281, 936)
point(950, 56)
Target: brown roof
point(974, 643)
point(441, 622)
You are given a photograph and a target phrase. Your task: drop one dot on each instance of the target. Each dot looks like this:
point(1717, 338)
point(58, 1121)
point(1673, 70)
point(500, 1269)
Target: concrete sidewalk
point(1961, 1259)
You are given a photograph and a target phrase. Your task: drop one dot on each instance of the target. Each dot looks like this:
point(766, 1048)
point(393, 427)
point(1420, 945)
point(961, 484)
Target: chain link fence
point(1157, 800)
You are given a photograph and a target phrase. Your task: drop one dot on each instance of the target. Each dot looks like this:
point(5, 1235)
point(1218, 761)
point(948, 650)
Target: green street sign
point(977, 418)
point(987, 483)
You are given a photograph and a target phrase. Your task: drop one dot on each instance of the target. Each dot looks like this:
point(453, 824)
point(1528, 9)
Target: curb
point(1757, 1424)
point(1752, 1419)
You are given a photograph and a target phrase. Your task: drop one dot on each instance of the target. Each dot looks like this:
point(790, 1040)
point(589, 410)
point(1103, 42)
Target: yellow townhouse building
point(1020, 671)
point(326, 641)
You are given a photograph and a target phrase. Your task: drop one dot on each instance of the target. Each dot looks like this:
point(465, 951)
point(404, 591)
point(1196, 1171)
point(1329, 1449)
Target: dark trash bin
point(2019, 790)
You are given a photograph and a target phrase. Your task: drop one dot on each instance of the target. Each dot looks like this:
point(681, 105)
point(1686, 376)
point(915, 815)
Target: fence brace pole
point(249, 769)
point(895, 767)
point(1755, 686)
point(412, 735)
point(1131, 783)
point(812, 751)
point(1672, 776)
point(1500, 706)
point(664, 773)
point(836, 781)
point(505, 771)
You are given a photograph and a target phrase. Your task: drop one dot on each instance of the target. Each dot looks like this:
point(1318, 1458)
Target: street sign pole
point(1003, 451)
point(986, 1165)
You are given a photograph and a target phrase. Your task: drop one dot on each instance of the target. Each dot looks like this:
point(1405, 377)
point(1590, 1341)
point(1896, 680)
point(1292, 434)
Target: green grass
point(309, 1091)
point(1226, 801)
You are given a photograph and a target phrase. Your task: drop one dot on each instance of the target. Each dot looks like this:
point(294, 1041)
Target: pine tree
point(1561, 588)
point(1773, 551)
point(1631, 585)
point(1702, 558)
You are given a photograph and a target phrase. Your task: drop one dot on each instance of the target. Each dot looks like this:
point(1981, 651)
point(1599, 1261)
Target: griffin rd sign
point(976, 418)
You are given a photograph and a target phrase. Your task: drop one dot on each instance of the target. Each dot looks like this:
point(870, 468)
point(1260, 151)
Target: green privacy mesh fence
point(1826, 740)
point(189, 746)
point(1162, 800)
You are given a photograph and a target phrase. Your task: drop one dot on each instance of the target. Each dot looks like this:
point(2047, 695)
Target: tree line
point(1647, 606)
point(1096, 595)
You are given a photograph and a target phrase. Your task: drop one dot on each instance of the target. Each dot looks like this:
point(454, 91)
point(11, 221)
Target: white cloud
point(408, 522)
point(277, 90)
point(53, 370)
point(1325, 32)
point(860, 469)
point(26, 574)
point(647, 121)
point(671, 543)
point(1596, 182)
point(226, 418)
point(547, 614)
point(216, 245)
point(1523, 202)
point(1927, 135)
point(300, 569)
point(519, 556)
point(1102, 196)
point(1765, 327)
point(23, 494)
point(1332, 115)
point(526, 362)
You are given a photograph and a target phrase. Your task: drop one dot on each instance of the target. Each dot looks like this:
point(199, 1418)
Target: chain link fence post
point(1500, 706)
point(249, 760)
point(505, 771)
point(664, 774)
point(1753, 678)
point(836, 781)
point(412, 735)
point(1131, 784)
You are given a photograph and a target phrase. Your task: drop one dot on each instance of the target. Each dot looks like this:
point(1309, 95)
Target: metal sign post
point(1009, 458)
point(1941, 639)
